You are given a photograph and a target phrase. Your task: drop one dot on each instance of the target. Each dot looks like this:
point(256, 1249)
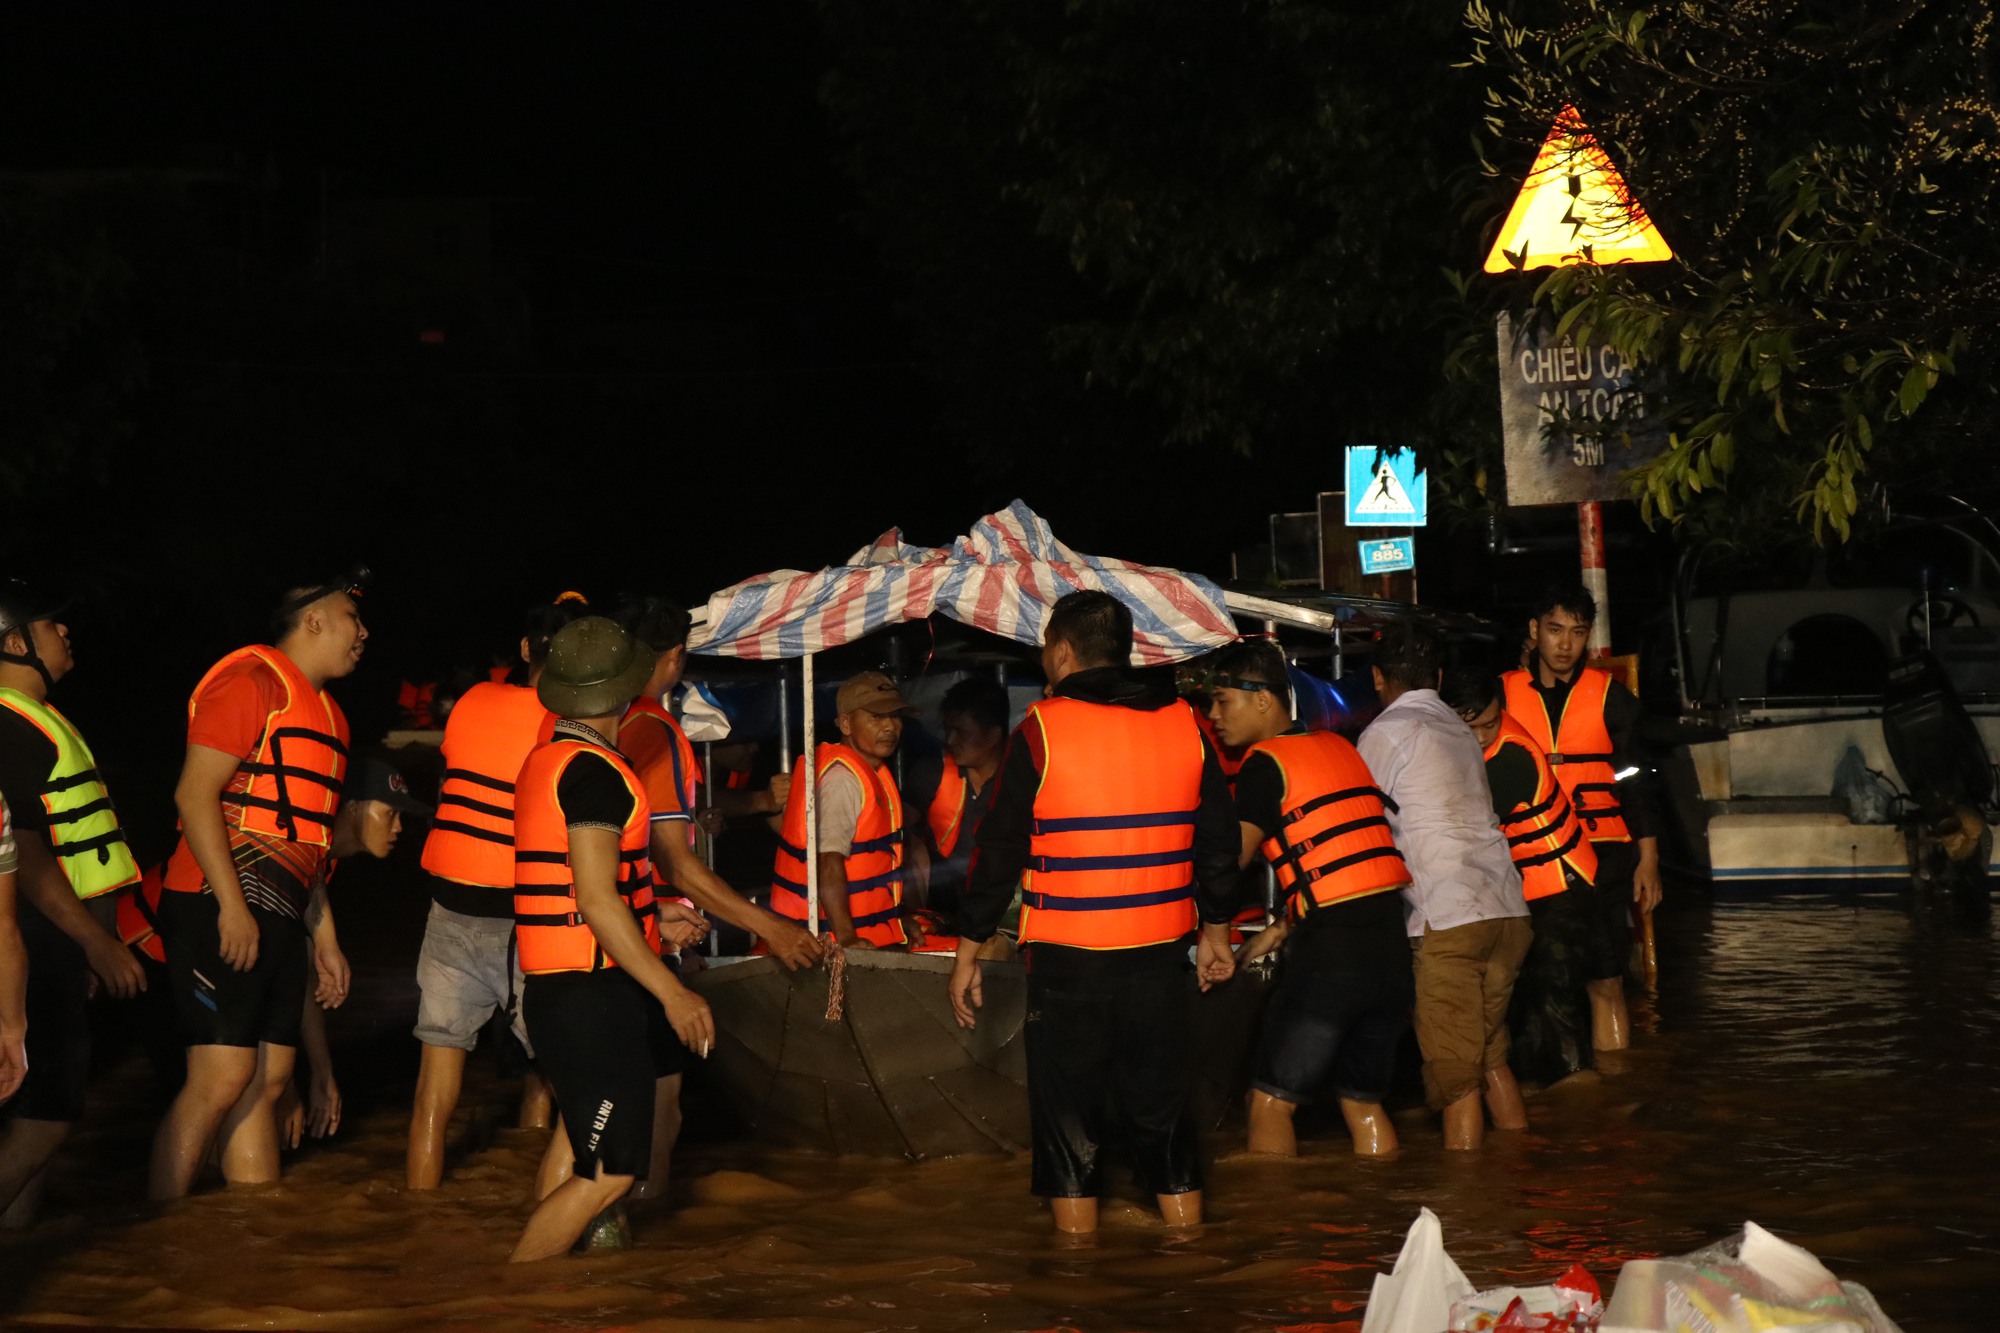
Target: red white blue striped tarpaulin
point(1001, 577)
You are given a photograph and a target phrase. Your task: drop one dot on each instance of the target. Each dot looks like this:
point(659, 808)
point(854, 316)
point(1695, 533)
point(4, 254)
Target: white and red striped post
point(1590, 536)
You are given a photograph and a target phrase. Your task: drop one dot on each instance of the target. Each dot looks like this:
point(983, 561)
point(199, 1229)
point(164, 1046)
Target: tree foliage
point(1826, 171)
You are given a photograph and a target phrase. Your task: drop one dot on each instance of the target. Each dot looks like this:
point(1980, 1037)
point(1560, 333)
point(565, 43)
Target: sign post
point(1386, 489)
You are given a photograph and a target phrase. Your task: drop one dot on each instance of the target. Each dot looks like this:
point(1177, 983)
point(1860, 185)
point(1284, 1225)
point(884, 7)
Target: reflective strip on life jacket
point(1333, 843)
point(487, 738)
point(1543, 835)
point(1111, 846)
point(1579, 748)
point(550, 933)
point(947, 810)
point(874, 861)
point(289, 786)
point(83, 829)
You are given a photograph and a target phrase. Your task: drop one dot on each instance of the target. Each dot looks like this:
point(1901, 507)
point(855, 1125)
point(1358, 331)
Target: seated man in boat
point(860, 817)
point(608, 1019)
point(1550, 1015)
point(1112, 812)
point(975, 713)
point(1588, 723)
point(1467, 921)
point(1308, 804)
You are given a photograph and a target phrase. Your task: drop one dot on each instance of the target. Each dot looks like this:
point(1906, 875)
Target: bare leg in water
point(560, 1218)
point(666, 1131)
point(218, 1078)
point(26, 1149)
point(439, 1079)
point(1610, 1019)
point(1503, 1099)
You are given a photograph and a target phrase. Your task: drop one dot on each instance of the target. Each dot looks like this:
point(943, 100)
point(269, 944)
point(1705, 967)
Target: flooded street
point(1825, 1068)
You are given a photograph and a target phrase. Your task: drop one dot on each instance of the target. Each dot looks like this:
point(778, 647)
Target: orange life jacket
point(414, 702)
point(1333, 843)
point(874, 861)
point(550, 934)
point(1578, 748)
point(1543, 835)
point(289, 786)
point(680, 752)
point(947, 813)
point(486, 740)
point(1231, 757)
point(139, 916)
point(1111, 847)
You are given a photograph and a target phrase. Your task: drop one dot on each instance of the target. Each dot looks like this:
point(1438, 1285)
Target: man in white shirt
point(1467, 920)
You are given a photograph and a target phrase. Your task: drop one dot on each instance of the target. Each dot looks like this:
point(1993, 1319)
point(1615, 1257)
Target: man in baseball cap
point(860, 819)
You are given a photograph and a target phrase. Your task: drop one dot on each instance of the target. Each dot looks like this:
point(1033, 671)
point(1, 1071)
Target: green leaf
point(1916, 385)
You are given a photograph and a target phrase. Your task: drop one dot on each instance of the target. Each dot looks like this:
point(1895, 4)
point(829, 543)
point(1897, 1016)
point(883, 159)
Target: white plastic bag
point(1417, 1297)
point(1746, 1284)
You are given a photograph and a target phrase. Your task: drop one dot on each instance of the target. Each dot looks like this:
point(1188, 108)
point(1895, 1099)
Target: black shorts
point(1107, 1051)
point(1616, 864)
point(1333, 1026)
point(214, 1004)
point(58, 1023)
point(597, 1043)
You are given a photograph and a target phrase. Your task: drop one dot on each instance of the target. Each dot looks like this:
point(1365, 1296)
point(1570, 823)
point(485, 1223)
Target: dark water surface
point(1825, 1068)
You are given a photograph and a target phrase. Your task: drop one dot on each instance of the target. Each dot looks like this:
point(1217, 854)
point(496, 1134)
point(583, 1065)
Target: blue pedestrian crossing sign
point(1388, 555)
point(1384, 488)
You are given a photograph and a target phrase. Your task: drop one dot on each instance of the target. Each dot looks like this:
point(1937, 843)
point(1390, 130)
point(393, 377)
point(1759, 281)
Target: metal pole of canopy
point(707, 838)
point(784, 720)
point(811, 768)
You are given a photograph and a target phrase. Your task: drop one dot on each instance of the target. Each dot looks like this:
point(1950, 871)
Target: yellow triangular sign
point(1574, 208)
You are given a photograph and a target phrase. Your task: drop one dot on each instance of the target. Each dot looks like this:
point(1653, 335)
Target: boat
point(1783, 674)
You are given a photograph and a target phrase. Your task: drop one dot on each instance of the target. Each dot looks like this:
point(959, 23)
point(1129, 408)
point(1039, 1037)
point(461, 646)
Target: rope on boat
point(836, 978)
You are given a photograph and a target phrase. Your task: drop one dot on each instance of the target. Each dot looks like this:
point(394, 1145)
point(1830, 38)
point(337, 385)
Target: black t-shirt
point(1349, 934)
point(592, 791)
point(27, 757)
point(1511, 775)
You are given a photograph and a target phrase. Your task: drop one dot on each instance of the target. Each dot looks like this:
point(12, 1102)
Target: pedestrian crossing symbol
point(1384, 488)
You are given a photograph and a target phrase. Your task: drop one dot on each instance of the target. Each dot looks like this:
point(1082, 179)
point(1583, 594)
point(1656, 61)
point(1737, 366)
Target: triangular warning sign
point(1385, 495)
point(1574, 208)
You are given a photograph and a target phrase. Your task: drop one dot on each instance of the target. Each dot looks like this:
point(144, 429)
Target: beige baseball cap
point(874, 692)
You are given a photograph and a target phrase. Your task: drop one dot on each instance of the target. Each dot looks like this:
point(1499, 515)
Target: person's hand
point(1214, 963)
point(115, 966)
point(966, 989)
point(856, 942)
point(290, 1113)
point(711, 820)
point(691, 1020)
point(1647, 889)
point(913, 932)
point(238, 932)
point(335, 976)
point(13, 1062)
point(323, 1112)
point(779, 792)
point(681, 927)
point(1263, 942)
point(795, 947)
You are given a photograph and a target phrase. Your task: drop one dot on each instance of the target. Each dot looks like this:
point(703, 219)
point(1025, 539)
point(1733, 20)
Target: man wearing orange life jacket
point(267, 754)
point(466, 970)
point(1550, 1016)
point(1589, 723)
point(1112, 814)
point(860, 815)
point(1307, 803)
point(974, 713)
point(608, 1018)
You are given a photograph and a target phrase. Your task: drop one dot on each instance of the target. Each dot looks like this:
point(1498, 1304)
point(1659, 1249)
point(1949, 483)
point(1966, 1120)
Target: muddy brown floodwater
point(1827, 1067)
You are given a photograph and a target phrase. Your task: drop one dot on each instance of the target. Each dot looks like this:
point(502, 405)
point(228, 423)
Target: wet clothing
point(1107, 1029)
point(602, 1041)
point(1616, 865)
point(1549, 1018)
point(1342, 1001)
point(466, 972)
point(58, 1045)
point(1465, 981)
point(1107, 1052)
point(214, 1004)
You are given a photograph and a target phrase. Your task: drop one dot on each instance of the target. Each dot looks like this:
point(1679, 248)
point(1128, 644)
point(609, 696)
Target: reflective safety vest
point(1543, 835)
point(947, 813)
point(874, 861)
point(550, 934)
point(486, 740)
point(1111, 846)
point(289, 786)
point(1333, 842)
point(1579, 747)
point(139, 917)
point(84, 832)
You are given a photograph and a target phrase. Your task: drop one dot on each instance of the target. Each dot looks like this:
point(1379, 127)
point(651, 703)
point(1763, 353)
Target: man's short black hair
point(1096, 626)
point(1470, 690)
point(1409, 655)
point(983, 701)
point(546, 619)
point(1257, 660)
point(1571, 597)
point(291, 609)
point(658, 622)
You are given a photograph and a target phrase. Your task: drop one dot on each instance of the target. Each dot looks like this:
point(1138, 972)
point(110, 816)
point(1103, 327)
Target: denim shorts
point(466, 972)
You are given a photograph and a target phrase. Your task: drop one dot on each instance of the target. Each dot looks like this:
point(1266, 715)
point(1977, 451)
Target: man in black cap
point(74, 865)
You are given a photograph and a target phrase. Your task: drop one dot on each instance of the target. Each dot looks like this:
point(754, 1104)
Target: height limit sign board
point(1384, 488)
point(1573, 414)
